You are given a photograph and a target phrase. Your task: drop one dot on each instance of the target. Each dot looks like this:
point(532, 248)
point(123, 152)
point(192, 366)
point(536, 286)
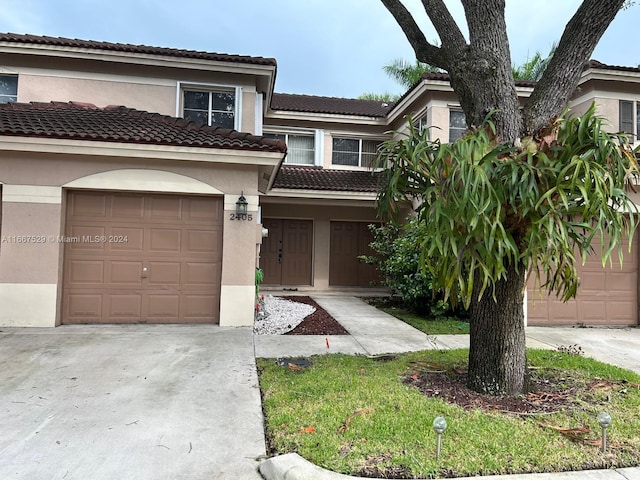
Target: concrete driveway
point(129, 402)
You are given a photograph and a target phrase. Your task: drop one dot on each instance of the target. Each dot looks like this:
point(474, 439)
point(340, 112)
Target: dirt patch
point(318, 323)
point(548, 392)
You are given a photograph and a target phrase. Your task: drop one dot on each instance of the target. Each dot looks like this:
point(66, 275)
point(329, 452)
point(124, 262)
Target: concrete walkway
point(373, 332)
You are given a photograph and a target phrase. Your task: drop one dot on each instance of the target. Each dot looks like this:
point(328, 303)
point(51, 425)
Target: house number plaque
point(248, 217)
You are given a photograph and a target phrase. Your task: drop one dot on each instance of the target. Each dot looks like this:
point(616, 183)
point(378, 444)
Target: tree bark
point(497, 355)
point(580, 37)
point(480, 74)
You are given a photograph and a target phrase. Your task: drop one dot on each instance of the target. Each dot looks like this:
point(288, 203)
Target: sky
point(323, 47)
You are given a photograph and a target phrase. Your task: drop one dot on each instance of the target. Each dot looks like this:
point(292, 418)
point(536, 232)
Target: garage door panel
point(200, 306)
point(198, 210)
point(124, 306)
point(83, 272)
point(126, 239)
point(160, 261)
point(163, 273)
point(595, 281)
point(203, 240)
point(88, 237)
point(625, 311)
point(165, 240)
point(84, 307)
point(124, 272)
point(618, 283)
point(163, 307)
point(164, 209)
point(88, 205)
point(126, 208)
point(593, 310)
point(201, 274)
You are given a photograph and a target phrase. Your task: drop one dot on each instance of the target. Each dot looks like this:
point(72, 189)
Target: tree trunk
point(497, 356)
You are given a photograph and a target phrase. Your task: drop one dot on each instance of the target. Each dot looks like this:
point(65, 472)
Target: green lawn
point(431, 326)
point(389, 424)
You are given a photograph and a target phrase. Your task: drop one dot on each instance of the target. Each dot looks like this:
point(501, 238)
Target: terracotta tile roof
point(603, 66)
point(318, 178)
point(444, 77)
point(81, 121)
point(135, 49)
point(332, 105)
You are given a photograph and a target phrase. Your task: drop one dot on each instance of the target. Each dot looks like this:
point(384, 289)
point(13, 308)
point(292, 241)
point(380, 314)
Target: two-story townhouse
point(114, 214)
point(128, 213)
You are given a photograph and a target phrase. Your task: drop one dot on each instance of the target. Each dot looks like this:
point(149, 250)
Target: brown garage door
point(348, 241)
point(606, 296)
point(142, 258)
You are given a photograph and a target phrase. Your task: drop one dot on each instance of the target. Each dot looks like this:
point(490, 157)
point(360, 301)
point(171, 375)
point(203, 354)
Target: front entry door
point(286, 253)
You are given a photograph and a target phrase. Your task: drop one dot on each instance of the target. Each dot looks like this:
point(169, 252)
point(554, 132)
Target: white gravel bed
point(281, 316)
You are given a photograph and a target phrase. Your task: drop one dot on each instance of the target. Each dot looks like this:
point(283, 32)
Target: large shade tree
point(520, 193)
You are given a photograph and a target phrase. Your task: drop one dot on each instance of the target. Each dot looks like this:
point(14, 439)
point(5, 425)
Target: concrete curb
point(292, 466)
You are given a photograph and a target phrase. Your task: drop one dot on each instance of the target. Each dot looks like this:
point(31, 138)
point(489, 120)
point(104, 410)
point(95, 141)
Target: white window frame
point(360, 140)
point(635, 118)
point(318, 141)
point(458, 110)
point(211, 87)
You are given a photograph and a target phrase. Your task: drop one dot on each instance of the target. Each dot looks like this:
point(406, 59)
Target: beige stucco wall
point(157, 95)
point(322, 215)
point(150, 96)
point(34, 191)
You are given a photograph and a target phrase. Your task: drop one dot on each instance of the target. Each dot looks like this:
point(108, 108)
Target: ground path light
point(604, 419)
point(439, 425)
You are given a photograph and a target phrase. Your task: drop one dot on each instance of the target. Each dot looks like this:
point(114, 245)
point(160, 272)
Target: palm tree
point(379, 97)
point(533, 68)
point(406, 73)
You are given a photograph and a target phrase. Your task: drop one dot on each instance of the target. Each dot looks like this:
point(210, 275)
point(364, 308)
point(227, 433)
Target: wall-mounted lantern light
point(241, 205)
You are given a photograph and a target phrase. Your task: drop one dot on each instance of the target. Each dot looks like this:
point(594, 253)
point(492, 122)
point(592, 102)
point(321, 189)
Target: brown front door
point(141, 258)
point(286, 254)
point(349, 240)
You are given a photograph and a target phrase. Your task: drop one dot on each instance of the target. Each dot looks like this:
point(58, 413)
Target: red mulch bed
point(318, 323)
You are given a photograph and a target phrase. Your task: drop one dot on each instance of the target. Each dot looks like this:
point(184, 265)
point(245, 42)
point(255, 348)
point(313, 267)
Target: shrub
point(398, 262)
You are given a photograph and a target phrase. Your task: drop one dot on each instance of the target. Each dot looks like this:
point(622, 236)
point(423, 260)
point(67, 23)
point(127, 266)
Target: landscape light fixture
point(604, 419)
point(241, 205)
point(439, 425)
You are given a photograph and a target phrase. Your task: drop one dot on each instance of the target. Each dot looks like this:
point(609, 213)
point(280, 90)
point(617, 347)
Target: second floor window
point(8, 88)
point(457, 124)
point(214, 108)
point(627, 117)
point(300, 147)
point(354, 152)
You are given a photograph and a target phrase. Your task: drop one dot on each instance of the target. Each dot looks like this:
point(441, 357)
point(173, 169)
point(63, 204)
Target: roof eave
point(244, 156)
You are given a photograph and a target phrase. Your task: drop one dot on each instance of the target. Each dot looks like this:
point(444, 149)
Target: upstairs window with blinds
point(300, 147)
point(630, 118)
point(355, 152)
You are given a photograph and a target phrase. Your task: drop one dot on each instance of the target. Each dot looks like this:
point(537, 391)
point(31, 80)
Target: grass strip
point(355, 415)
